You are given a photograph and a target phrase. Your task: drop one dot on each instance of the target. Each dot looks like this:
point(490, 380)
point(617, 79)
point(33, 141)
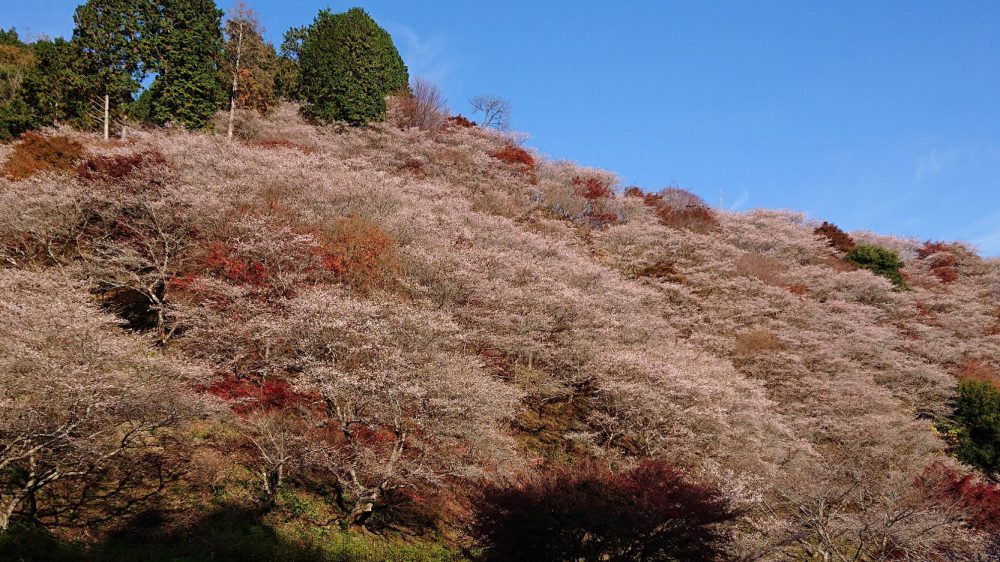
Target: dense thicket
point(347, 67)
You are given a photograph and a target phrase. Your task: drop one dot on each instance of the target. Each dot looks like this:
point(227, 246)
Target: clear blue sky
point(873, 114)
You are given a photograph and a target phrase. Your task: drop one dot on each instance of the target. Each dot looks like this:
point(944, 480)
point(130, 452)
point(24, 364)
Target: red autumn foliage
point(930, 248)
point(836, 238)
point(689, 215)
point(978, 500)
point(118, 166)
point(460, 121)
point(516, 156)
point(592, 188)
point(35, 153)
point(652, 512)
point(220, 261)
point(601, 219)
point(415, 167)
point(943, 262)
point(248, 395)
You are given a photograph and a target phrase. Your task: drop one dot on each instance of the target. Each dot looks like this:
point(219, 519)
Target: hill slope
point(405, 315)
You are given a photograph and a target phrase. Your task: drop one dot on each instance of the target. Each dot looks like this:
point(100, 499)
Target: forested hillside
point(283, 305)
point(409, 332)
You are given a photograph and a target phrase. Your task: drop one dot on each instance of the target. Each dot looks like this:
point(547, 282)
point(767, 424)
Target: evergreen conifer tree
point(109, 36)
point(187, 90)
point(348, 65)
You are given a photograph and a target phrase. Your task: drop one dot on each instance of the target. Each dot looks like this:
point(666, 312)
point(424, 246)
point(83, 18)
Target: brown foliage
point(422, 107)
point(118, 166)
point(360, 253)
point(273, 143)
point(415, 167)
point(660, 270)
point(460, 121)
point(943, 262)
point(836, 238)
point(678, 208)
point(756, 341)
point(762, 267)
point(36, 153)
point(975, 369)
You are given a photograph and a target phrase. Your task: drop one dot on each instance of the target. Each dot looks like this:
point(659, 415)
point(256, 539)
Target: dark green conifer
point(348, 65)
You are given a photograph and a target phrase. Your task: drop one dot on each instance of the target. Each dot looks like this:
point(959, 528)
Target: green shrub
point(978, 415)
point(880, 261)
point(348, 65)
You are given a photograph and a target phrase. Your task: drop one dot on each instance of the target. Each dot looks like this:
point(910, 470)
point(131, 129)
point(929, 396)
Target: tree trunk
point(107, 116)
point(236, 71)
point(363, 507)
point(10, 508)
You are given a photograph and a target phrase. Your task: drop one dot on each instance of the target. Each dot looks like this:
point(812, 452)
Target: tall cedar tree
point(16, 61)
point(110, 36)
point(250, 63)
point(56, 88)
point(348, 65)
point(187, 90)
point(286, 81)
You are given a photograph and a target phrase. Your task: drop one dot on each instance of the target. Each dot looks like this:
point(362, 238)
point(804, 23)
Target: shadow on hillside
point(226, 534)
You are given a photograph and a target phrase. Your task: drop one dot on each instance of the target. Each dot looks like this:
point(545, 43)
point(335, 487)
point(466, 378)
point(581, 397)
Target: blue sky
point(875, 115)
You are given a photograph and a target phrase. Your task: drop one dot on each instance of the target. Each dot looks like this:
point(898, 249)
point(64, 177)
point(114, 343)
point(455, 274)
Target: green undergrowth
point(227, 534)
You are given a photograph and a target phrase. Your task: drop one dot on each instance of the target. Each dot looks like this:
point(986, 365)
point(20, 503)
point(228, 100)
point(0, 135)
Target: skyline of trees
point(179, 61)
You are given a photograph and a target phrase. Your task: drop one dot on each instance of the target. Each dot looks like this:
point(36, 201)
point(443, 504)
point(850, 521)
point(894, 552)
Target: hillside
point(316, 328)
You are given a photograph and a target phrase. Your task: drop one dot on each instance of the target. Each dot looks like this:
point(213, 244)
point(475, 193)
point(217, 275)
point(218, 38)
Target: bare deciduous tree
point(423, 107)
point(494, 111)
point(76, 397)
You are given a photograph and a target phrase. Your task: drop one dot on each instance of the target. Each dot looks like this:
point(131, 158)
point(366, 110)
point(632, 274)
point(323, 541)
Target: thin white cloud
point(424, 56)
point(936, 160)
point(740, 201)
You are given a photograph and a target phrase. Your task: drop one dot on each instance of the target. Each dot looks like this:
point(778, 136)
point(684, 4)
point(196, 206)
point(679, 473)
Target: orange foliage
point(246, 395)
point(974, 369)
point(978, 500)
point(757, 341)
point(36, 153)
point(800, 290)
point(360, 253)
point(518, 157)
